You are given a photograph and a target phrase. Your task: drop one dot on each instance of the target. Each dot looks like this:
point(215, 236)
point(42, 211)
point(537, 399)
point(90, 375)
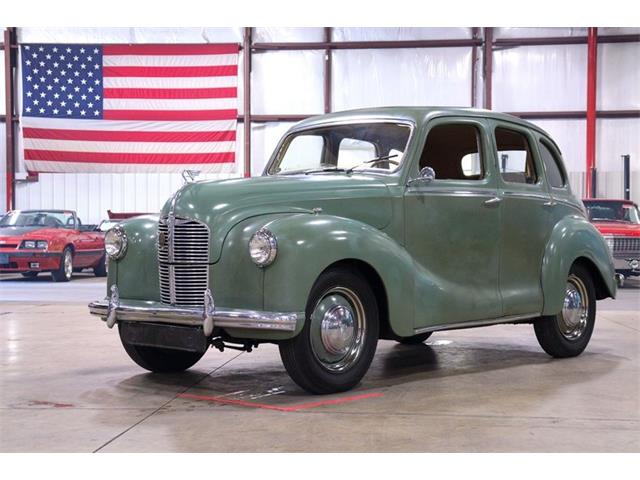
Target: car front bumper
point(629, 265)
point(113, 309)
point(32, 261)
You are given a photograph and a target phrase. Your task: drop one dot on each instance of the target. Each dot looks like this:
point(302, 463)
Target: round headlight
point(263, 247)
point(115, 242)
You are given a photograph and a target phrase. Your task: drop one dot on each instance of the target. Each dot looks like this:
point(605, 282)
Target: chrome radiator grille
point(626, 245)
point(183, 255)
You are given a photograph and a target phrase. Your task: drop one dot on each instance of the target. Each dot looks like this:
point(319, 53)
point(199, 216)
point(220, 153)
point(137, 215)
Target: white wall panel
point(534, 32)
point(288, 34)
point(287, 82)
point(343, 34)
point(129, 35)
point(618, 76)
point(423, 76)
point(540, 78)
point(570, 135)
point(2, 84)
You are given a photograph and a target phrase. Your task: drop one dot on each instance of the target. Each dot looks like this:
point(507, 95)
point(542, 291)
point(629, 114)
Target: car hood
point(28, 232)
point(224, 203)
point(618, 228)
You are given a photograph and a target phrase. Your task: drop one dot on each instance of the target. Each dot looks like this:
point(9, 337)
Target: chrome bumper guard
point(113, 309)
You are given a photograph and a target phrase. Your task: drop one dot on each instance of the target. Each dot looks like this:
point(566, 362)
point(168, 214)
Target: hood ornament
point(189, 176)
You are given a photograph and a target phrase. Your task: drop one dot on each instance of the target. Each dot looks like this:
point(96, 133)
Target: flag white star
point(95, 50)
point(77, 104)
point(90, 89)
point(68, 112)
point(35, 70)
point(76, 73)
point(56, 80)
point(28, 62)
point(69, 66)
point(41, 49)
point(97, 97)
point(83, 81)
point(55, 111)
point(34, 55)
point(42, 79)
point(70, 96)
point(61, 57)
point(49, 72)
point(96, 66)
point(76, 89)
point(90, 105)
point(96, 113)
point(56, 95)
point(42, 95)
point(63, 88)
point(41, 64)
point(49, 103)
point(49, 87)
point(28, 109)
point(42, 110)
point(27, 47)
point(83, 66)
point(89, 74)
point(48, 56)
point(55, 49)
point(63, 103)
point(36, 101)
point(29, 77)
point(82, 50)
point(89, 58)
point(82, 112)
point(69, 80)
point(68, 50)
point(29, 94)
point(36, 86)
point(55, 64)
point(63, 72)
point(83, 97)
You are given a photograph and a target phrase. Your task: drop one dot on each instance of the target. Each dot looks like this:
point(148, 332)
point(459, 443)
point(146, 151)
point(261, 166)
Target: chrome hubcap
point(337, 329)
point(575, 310)
point(68, 265)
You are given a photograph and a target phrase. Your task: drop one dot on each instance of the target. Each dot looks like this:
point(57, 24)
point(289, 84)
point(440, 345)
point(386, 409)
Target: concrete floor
point(68, 386)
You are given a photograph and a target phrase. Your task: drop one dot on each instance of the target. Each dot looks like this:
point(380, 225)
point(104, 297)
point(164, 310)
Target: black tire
point(161, 360)
point(302, 360)
point(553, 332)
point(416, 339)
point(29, 274)
point(100, 270)
point(63, 273)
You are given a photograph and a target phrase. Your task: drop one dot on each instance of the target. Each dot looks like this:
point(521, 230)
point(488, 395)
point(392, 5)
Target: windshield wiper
point(325, 169)
point(373, 161)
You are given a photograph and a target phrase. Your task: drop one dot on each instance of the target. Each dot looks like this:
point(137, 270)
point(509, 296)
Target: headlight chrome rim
point(263, 247)
point(121, 238)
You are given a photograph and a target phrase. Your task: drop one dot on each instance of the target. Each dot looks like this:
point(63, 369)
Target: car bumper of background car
point(113, 309)
point(18, 262)
point(629, 264)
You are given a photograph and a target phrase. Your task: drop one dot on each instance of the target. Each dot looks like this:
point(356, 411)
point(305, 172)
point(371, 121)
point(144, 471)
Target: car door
point(452, 225)
point(525, 205)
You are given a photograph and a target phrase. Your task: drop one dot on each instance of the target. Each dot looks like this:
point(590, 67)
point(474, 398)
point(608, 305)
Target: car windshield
point(375, 147)
point(612, 212)
point(40, 218)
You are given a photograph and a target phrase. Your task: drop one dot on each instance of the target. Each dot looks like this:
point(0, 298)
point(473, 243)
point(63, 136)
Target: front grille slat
point(626, 246)
point(183, 261)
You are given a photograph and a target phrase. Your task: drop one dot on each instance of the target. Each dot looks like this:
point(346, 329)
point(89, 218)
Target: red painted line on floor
point(291, 408)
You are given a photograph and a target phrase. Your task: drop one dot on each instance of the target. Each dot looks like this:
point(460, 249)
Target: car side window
point(552, 166)
point(454, 152)
point(514, 157)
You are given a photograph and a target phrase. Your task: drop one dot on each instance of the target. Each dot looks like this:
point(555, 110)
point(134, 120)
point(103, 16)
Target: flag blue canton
point(62, 81)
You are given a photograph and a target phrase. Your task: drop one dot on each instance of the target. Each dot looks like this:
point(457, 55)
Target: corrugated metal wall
point(535, 78)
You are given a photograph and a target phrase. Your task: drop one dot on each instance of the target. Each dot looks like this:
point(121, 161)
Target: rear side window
point(515, 157)
point(552, 167)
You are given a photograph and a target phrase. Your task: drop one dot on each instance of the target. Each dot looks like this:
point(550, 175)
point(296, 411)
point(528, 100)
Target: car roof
point(43, 210)
point(415, 114)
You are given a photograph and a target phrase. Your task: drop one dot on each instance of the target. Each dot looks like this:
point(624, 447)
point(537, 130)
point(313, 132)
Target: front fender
point(308, 244)
point(137, 272)
point(573, 238)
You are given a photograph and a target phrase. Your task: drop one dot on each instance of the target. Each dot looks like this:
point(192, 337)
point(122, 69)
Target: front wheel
point(337, 343)
point(161, 360)
point(64, 272)
point(567, 333)
point(100, 270)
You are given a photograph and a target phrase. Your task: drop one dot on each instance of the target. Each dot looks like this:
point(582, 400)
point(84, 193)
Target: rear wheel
point(30, 274)
point(568, 333)
point(161, 360)
point(64, 272)
point(337, 343)
point(416, 339)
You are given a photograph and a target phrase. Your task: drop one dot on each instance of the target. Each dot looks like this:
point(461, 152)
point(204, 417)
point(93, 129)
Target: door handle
point(493, 202)
point(550, 203)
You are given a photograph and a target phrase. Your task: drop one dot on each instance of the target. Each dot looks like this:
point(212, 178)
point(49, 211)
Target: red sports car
point(619, 222)
point(34, 241)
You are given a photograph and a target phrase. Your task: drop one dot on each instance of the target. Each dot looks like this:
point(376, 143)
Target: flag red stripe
point(129, 158)
point(204, 49)
point(170, 114)
point(195, 71)
point(130, 136)
point(226, 92)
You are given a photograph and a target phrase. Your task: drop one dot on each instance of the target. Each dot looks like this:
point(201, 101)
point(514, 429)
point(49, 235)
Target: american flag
point(129, 108)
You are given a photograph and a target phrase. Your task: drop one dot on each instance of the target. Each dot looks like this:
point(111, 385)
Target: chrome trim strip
point(429, 190)
point(222, 317)
point(537, 196)
point(476, 323)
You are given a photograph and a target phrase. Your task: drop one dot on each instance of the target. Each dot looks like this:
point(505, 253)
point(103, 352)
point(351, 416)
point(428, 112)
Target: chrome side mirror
point(426, 175)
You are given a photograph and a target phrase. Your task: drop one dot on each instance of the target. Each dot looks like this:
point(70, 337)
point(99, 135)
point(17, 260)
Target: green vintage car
point(388, 223)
